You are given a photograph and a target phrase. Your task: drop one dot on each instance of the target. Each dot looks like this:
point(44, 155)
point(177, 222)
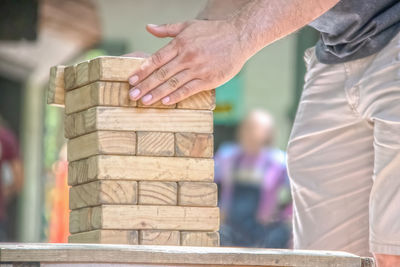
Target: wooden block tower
point(138, 174)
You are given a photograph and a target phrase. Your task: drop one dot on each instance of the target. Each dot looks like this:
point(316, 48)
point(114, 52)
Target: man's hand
point(203, 55)
point(207, 53)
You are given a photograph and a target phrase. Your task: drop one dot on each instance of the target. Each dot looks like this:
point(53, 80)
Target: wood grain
point(103, 192)
point(173, 255)
point(69, 77)
point(194, 145)
point(107, 68)
point(98, 94)
point(157, 104)
point(136, 168)
point(157, 193)
point(155, 144)
point(78, 170)
point(80, 123)
point(55, 94)
point(80, 220)
point(200, 239)
point(144, 217)
point(203, 100)
point(81, 74)
point(159, 237)
point(129, 237)
point(197, 194)
point(139, 119)
point(102, 143)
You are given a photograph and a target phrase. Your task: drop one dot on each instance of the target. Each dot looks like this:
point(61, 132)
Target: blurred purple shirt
point(268, 169)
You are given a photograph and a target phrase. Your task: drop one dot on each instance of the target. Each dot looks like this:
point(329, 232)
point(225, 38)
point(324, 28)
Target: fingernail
point(133, 79)
point(152, 25)
point(147, 98)
point(165, 100)
point(133, 93)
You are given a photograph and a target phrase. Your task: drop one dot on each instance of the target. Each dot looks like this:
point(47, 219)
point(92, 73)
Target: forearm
point(221, 9)
point(261, 22)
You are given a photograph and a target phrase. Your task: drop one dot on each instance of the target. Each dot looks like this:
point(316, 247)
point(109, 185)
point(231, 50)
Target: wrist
point(250, 32)
point(246, 40)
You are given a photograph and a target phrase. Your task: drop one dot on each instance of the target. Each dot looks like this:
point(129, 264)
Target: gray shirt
point(356, 28)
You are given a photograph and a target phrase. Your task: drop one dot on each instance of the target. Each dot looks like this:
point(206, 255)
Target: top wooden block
point(56, 92)
point(116, 69)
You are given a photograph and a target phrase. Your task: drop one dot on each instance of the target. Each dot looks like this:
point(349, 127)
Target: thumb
point(166, 30)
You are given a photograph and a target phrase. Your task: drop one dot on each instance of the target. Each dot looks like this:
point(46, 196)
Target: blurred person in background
point(254, 192)
point(11, 175)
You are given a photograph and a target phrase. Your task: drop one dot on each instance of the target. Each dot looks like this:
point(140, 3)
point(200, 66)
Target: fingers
point(167, 87)
point(157, 78)
point(155, 61)
point(166, 30)
point(188, 89)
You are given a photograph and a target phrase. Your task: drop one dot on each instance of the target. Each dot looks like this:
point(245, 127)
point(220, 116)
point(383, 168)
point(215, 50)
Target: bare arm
point(262, 22)
point(221, 9)
point(204, 54)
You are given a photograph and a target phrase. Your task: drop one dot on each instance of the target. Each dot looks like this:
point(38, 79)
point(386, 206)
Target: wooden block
point(203, 100)
point(194, 145)
point(102, 143)
point(80, 123)
point(55, 94)
point(81, 74)
point(98, 94)
point(69, 125)
point(69, 77)
point(155, 144)
point(143, 217)
point(108, 68)
point(200, 239)
point(78, 170)
point(79, 99)
point(158, 104)
point(130, 237)
point(138, 168)
point(102, 192)
point(159, 237)
point(157, 193)
point(139, 119)
point(80, 220)
point(197, 194)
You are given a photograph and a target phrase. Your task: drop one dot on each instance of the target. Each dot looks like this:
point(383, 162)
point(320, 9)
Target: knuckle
point(185, 90)
point(156, 58)
point(173, 82)
point(168, 28)
point(190, 54)
point(161, 74)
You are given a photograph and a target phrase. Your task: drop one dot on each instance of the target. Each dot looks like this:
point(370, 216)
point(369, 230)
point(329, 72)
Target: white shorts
point(344, 155)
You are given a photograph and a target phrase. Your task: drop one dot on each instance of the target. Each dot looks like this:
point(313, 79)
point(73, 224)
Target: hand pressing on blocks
point(202, 55)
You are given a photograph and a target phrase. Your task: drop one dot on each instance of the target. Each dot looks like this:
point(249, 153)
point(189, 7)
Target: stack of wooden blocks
point(138, 174)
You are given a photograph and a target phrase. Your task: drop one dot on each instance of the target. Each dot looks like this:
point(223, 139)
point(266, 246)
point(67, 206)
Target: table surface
point(133, 255)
